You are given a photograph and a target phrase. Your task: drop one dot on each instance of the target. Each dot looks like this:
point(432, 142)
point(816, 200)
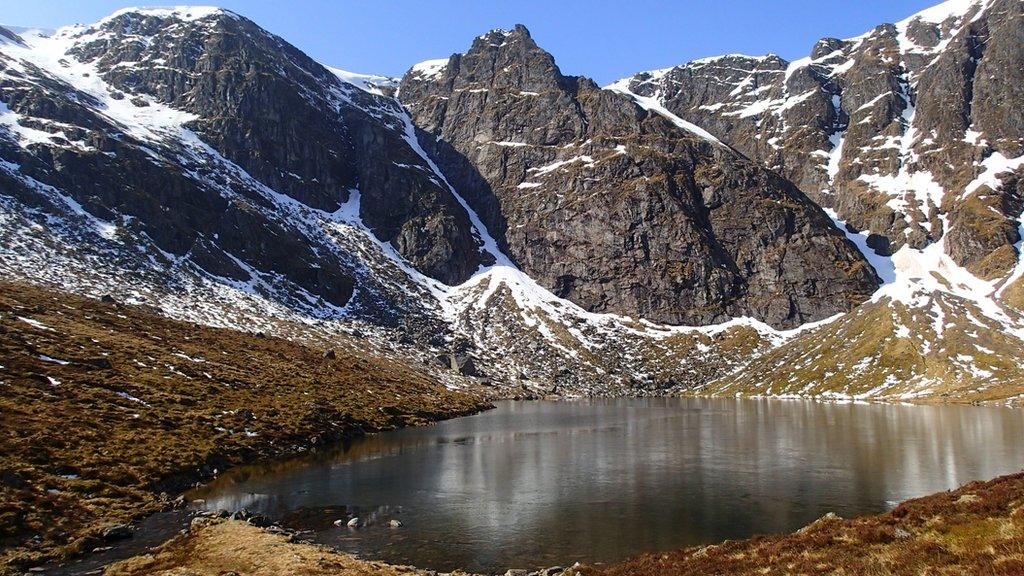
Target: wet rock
point(12, 479)
point(395, 523)
point(901, 534)
point(260, 520)
point(828, 518)
point(353, 523)
point(117, 532)
point(467, 365)
point(445, 361)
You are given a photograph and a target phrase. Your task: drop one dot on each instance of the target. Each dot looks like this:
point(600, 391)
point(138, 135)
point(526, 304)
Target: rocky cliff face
point(904, 131)
point(623, 209)
point(172, 97)
point(907, 132)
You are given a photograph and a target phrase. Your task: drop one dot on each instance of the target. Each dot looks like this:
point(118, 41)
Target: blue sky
point(601, 39)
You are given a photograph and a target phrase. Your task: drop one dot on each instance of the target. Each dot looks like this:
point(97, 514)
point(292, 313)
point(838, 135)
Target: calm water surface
point(543, 483)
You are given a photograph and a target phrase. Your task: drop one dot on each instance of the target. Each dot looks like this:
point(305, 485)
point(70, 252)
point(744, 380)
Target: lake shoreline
point(306, 485)
point(943, 521)
point(110, 444)
point(192, 538)
point(109, 422)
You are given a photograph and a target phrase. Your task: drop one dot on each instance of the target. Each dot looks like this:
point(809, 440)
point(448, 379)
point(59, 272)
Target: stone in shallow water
point(117, 532)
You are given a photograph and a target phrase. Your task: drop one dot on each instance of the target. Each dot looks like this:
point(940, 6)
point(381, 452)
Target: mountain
point(905, 136)
point(189, 160)
point(495, 222)
point(904, 131)
point(686, 231)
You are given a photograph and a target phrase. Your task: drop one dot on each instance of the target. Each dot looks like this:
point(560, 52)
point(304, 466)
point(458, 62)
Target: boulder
point(117, 532)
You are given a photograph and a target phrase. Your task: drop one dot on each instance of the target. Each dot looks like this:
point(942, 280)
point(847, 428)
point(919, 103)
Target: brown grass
point(217, 547)
point(974, 530)
point(107, 411)
point(1013, 296)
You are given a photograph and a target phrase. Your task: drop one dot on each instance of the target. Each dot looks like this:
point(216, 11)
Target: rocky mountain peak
point(137, 25)
point(499, 37)
point(893, 129)
point(506, 59)
point(136, 19)
point(533, 150)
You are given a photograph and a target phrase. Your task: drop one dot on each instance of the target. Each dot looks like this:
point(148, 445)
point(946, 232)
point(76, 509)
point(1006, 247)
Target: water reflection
point(543, 483)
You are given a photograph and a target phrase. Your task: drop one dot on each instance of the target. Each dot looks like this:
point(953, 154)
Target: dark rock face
point(889, 129)
point(619, 209)
point(115, 178)
point(280, 123)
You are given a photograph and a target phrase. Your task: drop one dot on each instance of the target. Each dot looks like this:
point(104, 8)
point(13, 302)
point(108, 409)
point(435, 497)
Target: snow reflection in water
point(545, 483)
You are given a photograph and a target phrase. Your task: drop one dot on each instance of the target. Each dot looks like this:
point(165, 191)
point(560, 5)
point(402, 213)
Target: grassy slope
point(105, 407)
point(976, 529)
point(890, 351)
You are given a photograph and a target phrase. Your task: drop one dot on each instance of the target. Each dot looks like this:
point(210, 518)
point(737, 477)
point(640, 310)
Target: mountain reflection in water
point(544, 483)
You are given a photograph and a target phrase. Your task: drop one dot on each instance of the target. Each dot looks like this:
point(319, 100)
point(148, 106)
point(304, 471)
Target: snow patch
point(371, 83)
point(36, 324)
point(652, 103)
point(429, 69)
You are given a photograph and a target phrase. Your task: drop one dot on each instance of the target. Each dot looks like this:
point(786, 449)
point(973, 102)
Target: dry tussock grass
point(107, 411)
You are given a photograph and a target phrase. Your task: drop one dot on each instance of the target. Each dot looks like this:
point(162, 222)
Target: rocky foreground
point(109, 411)
point(976, 529)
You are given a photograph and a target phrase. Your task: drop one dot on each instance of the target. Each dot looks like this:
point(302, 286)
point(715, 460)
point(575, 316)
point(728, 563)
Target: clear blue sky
point(601, 39)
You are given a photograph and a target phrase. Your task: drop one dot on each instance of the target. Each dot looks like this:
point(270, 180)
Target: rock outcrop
point(905, 131)
point(623, 209)
point(232, 98)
